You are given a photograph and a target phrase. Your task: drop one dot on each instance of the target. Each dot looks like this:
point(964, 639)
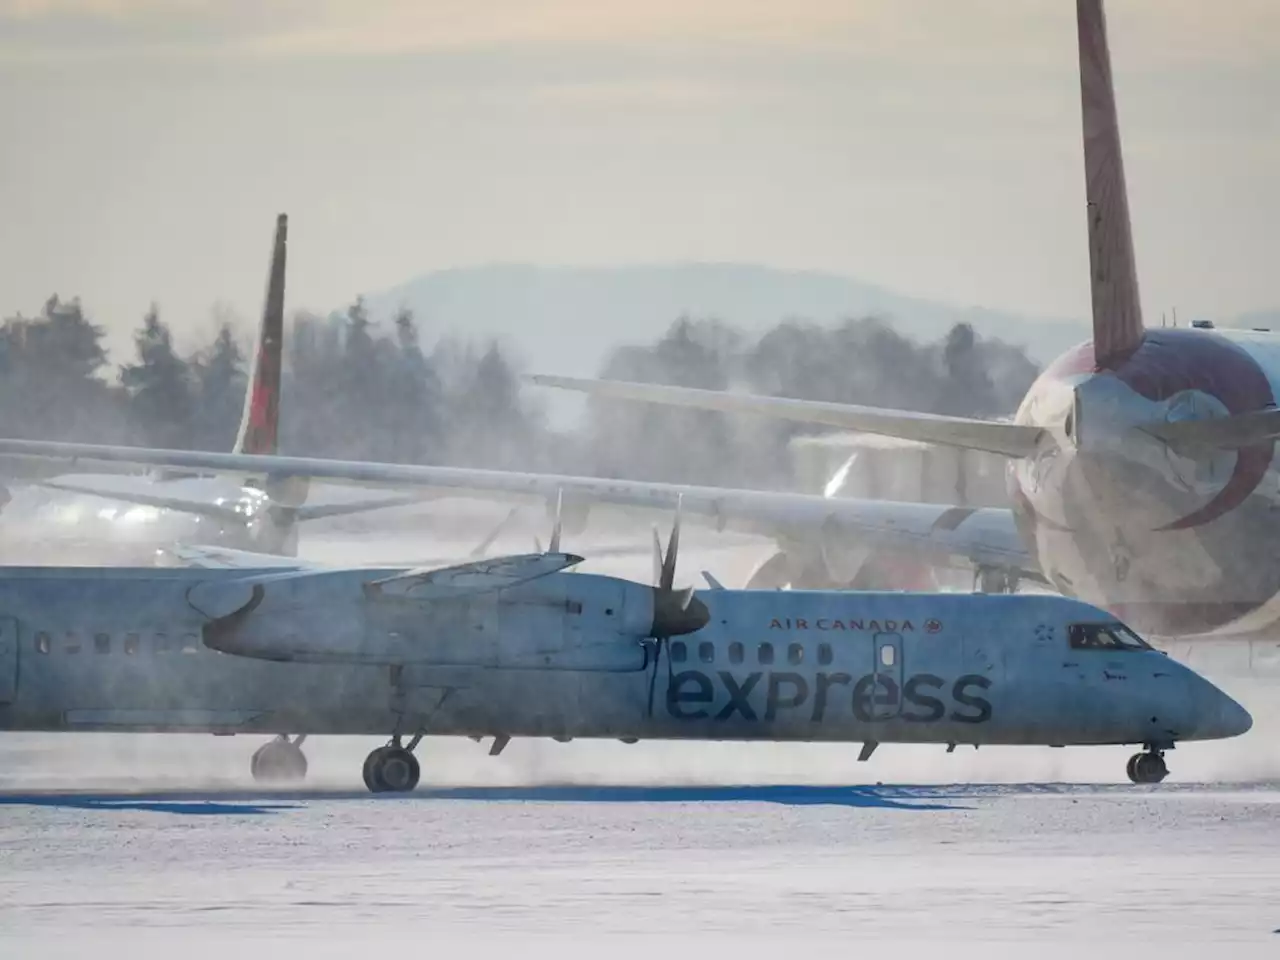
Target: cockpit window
point(1105, 636)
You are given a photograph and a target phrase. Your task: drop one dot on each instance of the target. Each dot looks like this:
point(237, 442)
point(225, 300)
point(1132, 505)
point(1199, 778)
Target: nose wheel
point(1147, 767)
point(392, 768)
point(280, 761)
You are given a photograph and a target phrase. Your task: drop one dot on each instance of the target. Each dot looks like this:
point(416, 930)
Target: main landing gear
point(280, 761)
point(392, 768)
point(1148, 767)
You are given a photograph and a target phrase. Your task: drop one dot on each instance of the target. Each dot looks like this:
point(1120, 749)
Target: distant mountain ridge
point(566, 319)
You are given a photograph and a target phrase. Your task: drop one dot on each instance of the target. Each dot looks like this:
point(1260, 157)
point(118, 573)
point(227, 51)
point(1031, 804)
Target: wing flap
point(1009, 439)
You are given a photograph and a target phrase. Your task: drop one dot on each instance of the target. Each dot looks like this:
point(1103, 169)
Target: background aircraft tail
point(260, 422)
point(1113, 275)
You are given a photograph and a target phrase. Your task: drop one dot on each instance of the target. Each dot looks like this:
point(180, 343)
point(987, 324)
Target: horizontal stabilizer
point(1221, 433)
point(483, 576)
point(202, 508)
point(1009, 439)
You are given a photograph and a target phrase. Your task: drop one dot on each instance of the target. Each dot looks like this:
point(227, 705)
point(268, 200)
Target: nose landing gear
point(392, 768)
point(1148, 767)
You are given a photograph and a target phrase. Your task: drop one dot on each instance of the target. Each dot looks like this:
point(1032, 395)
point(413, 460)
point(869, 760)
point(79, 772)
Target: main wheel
point(1147, 768)
point(391, 769)
point(278, 762)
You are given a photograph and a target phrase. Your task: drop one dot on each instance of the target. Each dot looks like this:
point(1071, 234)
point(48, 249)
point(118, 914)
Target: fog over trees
point(395, 392)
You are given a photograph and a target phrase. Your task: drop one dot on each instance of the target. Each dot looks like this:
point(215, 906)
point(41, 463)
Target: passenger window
point(824, 654)
point(765, 653)
point(162, 643)
point(887, 655)
point(44, 643)
point(1104, 636)
point(190, 643)
point(735, 652)
point(73, 642)
point(707, 652)
point(131, 643)
point(679, 652)
point(102, 642)
point(795, 654)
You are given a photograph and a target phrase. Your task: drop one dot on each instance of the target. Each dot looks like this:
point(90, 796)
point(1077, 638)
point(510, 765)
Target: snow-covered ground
point(642, 871)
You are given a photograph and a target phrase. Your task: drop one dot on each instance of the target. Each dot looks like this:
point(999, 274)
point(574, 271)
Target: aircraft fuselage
point(129, 650)
point(1177, 545)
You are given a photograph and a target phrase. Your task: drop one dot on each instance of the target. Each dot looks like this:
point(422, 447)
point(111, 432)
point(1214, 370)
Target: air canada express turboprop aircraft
point(118, 518)
point(1142, 477)
point(517, 647)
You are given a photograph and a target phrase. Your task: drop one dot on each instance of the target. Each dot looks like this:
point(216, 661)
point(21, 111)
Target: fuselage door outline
point(886, 695)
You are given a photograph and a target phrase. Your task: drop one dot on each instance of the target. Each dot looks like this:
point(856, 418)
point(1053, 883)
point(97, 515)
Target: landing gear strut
point(1148, 767)
point(280, 761)
point(392, 768)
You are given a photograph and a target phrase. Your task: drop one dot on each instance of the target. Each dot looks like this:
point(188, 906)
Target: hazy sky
point(928, 145)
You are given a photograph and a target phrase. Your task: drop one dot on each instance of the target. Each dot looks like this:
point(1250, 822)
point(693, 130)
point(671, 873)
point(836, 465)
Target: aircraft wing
point(1009, 439)
point(957, 536)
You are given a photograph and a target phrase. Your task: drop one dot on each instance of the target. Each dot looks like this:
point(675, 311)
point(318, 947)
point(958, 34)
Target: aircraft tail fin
point(1113, 275)
point(260, 422)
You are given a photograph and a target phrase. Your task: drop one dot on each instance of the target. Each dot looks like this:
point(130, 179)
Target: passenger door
point(8, 659)
point(886, 697)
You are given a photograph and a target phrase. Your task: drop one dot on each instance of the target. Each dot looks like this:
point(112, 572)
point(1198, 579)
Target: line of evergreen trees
point(355, 389)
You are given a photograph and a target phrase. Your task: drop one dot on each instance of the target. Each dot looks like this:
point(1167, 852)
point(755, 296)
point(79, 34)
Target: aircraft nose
point(1217, 716)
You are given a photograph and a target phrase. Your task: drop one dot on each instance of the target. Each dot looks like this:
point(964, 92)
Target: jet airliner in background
point(1142, 463)
point(121, 518)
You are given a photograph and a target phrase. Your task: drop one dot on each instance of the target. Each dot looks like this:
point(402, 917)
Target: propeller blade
point(668, 579)
point(657, 557)
point(555, 530)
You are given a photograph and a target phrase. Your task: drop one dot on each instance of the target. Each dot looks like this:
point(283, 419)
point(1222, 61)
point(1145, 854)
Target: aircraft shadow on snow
point(205, 803)
point(212, 802)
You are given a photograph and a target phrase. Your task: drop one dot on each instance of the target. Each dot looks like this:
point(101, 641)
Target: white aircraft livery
point(517, 646)
point(1143, 475)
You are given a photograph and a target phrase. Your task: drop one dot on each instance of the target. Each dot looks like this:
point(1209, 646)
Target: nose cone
point(1217, 716)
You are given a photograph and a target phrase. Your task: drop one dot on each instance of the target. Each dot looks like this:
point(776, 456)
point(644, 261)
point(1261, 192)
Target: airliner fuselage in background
point(1181, 538)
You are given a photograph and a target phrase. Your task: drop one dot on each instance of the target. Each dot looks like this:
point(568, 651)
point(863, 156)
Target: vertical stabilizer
point(1113, 275)
point(260, 422)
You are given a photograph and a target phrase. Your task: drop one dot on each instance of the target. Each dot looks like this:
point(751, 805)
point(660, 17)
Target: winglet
point(1113, 274)
point(260, 422)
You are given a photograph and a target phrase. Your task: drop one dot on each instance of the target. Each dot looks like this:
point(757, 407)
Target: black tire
point(372, 764)
point(398, 770)
point(1131, 768)
point(1150, 768)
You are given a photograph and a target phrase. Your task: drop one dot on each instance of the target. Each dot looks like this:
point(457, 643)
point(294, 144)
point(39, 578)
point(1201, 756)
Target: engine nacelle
point(555, 622)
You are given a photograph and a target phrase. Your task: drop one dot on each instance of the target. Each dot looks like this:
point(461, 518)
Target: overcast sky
point(928, 145)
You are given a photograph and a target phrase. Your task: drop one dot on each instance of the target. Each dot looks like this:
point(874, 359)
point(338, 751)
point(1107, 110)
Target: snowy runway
point(581, 870)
